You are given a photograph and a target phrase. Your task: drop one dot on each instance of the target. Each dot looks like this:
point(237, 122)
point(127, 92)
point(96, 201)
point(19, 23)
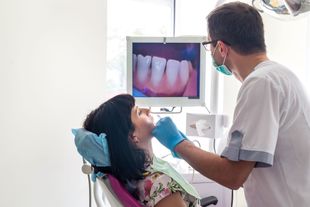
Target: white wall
point(52, 60)
point(288, 43)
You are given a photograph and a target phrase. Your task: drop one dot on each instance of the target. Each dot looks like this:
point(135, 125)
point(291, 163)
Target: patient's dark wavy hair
point(113, 118)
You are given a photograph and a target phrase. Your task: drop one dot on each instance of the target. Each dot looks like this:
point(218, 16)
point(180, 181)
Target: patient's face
point(143, 123)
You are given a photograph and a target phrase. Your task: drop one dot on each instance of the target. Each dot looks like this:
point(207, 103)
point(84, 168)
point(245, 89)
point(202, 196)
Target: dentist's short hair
point(238, 24)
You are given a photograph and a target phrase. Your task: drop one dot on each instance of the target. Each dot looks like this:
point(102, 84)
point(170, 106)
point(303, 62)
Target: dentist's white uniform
point(272, 127)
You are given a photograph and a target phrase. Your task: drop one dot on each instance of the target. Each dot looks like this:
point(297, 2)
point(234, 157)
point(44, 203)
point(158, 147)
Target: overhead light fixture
point(283, 8)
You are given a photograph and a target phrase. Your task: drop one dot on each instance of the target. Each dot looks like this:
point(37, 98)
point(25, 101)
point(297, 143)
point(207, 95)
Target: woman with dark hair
point(128, 133)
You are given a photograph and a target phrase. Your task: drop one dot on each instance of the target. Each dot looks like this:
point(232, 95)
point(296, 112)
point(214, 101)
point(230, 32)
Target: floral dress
point(156, 186)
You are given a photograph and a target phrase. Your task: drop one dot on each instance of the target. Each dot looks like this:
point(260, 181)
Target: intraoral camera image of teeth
point(166, 69)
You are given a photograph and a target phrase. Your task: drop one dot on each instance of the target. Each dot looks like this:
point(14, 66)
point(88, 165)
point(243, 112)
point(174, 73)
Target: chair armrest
point(208, 201)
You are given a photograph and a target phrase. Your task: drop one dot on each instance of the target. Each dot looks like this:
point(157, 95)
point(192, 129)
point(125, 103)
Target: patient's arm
point(174, 199)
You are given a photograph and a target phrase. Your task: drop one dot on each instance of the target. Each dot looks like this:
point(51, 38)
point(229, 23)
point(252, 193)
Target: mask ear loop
point(225, 61)
point(225, 58)
point(215, 49)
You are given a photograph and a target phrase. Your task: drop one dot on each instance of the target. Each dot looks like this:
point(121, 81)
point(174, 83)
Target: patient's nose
point(146, 111)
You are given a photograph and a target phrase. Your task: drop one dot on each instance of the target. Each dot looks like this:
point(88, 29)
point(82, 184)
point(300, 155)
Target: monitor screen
point(166, 71)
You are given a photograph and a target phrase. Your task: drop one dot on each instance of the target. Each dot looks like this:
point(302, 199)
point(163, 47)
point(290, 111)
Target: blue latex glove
point(167, 134)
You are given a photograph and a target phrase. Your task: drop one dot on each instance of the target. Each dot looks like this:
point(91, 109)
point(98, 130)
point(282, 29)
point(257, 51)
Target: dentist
point(268, 148)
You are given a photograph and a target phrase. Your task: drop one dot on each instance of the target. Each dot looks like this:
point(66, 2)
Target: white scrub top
point(271, 126)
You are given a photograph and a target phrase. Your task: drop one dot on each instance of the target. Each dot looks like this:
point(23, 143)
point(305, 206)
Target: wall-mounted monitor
point(166, 71)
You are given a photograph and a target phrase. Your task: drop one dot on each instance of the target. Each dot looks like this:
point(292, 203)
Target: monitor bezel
point(168, 101)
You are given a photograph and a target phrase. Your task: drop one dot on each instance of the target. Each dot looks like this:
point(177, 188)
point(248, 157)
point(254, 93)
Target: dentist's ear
point(222, 48)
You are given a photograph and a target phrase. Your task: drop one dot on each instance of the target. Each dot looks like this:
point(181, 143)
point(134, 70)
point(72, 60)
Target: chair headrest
point(92, 147)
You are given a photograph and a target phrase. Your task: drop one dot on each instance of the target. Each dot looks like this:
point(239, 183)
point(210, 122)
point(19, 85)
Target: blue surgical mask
point(221, 68)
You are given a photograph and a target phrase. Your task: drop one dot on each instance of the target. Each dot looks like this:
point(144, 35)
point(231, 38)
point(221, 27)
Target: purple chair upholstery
point(128, 201)
point(122, 194)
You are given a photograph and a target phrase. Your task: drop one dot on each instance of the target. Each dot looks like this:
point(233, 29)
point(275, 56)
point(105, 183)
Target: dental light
point(283, 9)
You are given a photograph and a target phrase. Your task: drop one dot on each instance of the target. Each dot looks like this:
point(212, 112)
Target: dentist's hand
point(167, 134)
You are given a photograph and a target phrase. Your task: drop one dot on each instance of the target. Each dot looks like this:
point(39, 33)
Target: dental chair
point(108, 191)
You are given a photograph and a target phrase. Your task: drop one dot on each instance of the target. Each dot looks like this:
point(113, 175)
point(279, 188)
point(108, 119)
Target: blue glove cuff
point(173, 152)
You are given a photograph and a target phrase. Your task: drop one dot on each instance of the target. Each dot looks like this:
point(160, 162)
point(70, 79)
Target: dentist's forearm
point(221, 170)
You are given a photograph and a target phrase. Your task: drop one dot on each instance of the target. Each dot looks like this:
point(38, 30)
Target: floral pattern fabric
point(156, 186)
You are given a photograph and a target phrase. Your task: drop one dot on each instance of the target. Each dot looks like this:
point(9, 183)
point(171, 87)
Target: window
point(307, 60)
point(148, 18)
point(132, 18)
point(191, 17)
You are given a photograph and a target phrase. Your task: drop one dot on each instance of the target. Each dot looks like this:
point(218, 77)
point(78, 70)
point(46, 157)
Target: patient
point(128, 133)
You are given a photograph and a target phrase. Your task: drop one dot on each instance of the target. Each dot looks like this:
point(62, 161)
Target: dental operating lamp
point(282, 8)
